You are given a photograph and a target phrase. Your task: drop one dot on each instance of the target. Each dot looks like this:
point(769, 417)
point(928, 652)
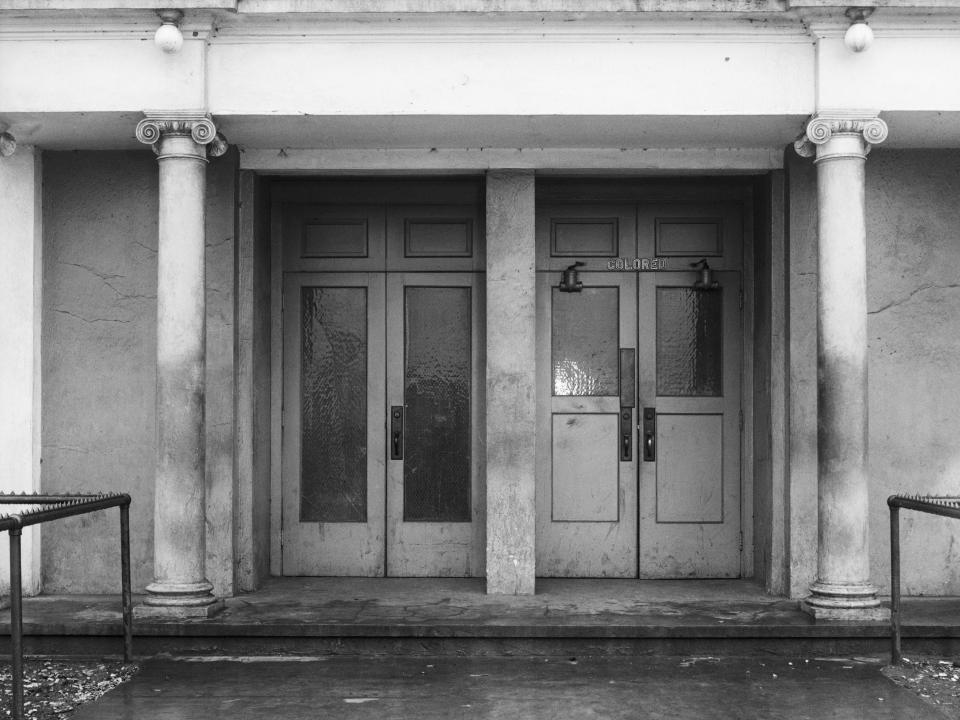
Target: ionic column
point(180, 587)
point(841, 142)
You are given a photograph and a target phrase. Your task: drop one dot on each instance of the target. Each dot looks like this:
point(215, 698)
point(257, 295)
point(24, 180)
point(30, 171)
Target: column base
point(148, 612)
point(179, 600)
point(846, 603)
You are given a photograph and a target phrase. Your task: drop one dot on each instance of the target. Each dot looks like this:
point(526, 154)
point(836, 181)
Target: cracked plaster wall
point(913, 300)
point(99, 360)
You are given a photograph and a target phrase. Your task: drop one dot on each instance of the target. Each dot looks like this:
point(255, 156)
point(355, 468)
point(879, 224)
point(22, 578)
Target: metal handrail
point(943, 505)
point(33, 509)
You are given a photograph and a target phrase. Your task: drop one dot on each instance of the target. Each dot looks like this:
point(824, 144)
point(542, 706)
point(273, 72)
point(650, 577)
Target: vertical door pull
point(396, 432)
point(628, 394)
point(649, 434)
point(626, 434)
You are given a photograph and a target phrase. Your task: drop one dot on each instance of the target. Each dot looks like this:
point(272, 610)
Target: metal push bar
point(33, 509)
point(946, 506)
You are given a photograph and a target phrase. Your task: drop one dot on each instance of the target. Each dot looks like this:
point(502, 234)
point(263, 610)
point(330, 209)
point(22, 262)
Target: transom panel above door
point(363, 226)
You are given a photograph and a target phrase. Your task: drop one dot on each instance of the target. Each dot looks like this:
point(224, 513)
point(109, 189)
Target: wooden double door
point(382, 395)
point(639, 431)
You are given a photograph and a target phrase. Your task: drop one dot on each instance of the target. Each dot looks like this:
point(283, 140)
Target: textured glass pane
point(585, 341)
point(436, 461)
point(689, 341)
point(333, 391)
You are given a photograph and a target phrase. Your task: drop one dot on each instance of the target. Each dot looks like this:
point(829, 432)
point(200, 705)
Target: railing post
point(16, 623)
point(895, 656)
point(127, 596)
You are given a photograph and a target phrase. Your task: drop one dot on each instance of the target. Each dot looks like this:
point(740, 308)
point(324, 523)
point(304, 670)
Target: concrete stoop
point(440, 617)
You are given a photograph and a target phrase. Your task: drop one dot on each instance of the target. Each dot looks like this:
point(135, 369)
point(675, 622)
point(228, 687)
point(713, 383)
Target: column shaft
point(511, 383)
point(180, 587)
point(842, 589)
point(843, 561)
point(179, 533)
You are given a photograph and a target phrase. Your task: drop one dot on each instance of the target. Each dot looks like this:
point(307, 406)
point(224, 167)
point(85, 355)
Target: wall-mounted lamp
point(570, 279)
point(168, 37)
point(859, 36)
point(8, 144)
point(705, 279)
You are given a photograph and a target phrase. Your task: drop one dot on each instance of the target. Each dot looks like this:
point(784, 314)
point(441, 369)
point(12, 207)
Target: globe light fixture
point(859, 36)
point(168, 37)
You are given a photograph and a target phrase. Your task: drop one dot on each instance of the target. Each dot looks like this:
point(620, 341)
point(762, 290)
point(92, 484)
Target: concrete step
point(339, 616)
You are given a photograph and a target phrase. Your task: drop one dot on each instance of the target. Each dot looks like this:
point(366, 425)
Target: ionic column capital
point(197, 126)
point(862, 127)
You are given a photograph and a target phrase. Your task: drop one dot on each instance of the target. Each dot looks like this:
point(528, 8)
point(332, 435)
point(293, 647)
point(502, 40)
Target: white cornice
point(47, 6)
point(122, 26)
point(797, 25)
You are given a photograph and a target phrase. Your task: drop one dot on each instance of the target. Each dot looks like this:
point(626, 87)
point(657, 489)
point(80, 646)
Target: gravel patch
point(55, 688)
point(935, 680)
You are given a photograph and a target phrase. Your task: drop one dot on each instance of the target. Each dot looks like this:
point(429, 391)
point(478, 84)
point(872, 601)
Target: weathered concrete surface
point(770, 374)
point(801, 313)
point(914, 362)
point(843, 562)
point(376, 616)
point(180, 489)
point(220, 363)
point(511, 383)
point(253, 385)
point(99, 360)
point(913, 293)
point(20, 302)
point(510, 688)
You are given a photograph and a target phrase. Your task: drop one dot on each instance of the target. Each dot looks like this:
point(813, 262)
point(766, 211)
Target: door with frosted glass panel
point(586, 474)
point(639, 389)
point(586, 443)
point(689, 360)
point(382, 390)
point(435, 500)
point(333, 440)
point(689, 396)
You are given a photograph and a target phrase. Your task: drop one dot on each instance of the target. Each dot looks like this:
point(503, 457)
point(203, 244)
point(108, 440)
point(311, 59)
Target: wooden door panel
point(690, 468)
point(690, 495)
point(586, 478)
point(593, 234)
point(332, 238)
point(435, 497)
point(435, 238)
point(586, 493)
point(333, 468)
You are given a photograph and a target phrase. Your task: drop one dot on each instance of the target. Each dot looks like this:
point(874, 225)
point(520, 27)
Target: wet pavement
point(514, 688)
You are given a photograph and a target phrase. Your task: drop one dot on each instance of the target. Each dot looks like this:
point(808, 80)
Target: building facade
point(515, 289)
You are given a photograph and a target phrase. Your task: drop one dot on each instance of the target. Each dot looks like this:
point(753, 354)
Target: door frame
point(734, 188)
point(744, 187)
point(408, 190)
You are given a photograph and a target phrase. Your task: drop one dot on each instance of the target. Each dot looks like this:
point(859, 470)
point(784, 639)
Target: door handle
point(649, 434)
point(396, 432)
point(626, 435)
point(628, 394)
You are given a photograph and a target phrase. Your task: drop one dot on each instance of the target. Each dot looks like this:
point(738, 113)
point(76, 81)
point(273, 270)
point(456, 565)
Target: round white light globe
point(858, 37)
point(168, 38)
